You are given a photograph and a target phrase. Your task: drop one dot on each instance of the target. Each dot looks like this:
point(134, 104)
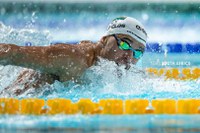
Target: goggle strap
point(118, 41)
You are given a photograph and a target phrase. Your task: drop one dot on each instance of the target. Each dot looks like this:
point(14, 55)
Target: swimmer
point(124, 43)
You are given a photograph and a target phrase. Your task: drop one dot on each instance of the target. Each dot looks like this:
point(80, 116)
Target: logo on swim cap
point(120, 18)
point(128, 26)
point(139, 28)
point(116, 26)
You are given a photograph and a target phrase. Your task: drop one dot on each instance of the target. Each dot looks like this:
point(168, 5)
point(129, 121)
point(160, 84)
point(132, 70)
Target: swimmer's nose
point(129, 58)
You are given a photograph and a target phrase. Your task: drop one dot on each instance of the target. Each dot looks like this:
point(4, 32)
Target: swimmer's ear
point(107, 45)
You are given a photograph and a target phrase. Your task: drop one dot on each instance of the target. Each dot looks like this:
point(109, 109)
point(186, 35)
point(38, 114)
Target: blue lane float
point(175, 47)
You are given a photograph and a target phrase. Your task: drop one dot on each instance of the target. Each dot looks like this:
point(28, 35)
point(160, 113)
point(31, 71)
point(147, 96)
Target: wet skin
point(62, 61)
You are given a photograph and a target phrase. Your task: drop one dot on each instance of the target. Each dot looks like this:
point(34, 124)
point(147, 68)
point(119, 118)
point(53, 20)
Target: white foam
point(22, 36)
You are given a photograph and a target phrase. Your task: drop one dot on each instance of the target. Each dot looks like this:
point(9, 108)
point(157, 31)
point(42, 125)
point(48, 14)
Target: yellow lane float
point(176, 73)
point(34, 106)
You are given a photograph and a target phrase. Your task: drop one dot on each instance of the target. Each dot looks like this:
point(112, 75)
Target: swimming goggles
point(124, 45)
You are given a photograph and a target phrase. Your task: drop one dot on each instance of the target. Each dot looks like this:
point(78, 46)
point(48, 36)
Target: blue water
point(105, 124)
point(174, 43)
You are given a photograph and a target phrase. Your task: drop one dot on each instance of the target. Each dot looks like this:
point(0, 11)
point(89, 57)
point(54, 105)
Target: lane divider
point(175, 47)
point(34, 106)
point(176, 73)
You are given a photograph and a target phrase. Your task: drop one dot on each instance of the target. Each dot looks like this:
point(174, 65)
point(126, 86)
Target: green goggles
point(124, 45)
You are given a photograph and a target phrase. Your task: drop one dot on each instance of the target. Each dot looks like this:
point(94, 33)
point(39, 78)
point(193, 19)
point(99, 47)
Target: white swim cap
point(128, 26)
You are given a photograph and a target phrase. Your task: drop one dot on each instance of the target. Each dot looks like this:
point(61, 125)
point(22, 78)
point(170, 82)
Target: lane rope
point(176, 73)
point(36, 106)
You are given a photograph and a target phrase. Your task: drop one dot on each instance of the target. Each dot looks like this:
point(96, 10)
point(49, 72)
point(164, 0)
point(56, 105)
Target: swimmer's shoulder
point(85, 45)
point(83, 42)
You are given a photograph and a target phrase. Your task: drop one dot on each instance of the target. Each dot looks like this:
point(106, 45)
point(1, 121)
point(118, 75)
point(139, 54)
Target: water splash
point(23, 37)
point(107, 80)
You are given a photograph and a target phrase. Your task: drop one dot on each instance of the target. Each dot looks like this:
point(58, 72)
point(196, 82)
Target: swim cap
point(128, 26)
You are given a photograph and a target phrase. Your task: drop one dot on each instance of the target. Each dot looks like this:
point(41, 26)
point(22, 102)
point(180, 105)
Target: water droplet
point(145, 16)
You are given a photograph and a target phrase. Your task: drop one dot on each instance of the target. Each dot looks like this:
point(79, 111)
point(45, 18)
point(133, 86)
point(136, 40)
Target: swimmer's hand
point(4, 49)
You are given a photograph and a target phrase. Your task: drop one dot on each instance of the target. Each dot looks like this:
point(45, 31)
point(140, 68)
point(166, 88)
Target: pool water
point(105, 124)
point(173, 31)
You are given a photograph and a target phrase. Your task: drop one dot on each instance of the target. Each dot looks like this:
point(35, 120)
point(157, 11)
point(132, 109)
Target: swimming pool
point(173, 43)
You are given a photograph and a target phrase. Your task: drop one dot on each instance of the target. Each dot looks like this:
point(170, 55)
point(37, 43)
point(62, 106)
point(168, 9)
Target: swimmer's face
point(124, 56)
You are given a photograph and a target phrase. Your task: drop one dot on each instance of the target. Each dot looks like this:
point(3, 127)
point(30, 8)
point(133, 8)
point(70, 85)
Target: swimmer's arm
point(44, 58)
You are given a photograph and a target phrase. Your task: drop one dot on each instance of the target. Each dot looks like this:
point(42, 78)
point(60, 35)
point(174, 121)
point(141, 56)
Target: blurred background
point(74, 20)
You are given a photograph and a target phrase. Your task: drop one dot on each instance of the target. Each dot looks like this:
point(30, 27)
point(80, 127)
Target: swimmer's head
point(128, 26)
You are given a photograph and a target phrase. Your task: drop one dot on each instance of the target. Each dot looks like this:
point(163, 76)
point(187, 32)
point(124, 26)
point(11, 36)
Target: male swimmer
point(124, 43)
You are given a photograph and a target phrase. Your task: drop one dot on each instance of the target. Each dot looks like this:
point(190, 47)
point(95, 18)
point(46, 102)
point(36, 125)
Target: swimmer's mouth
point(124, 62)
point(127, 65)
